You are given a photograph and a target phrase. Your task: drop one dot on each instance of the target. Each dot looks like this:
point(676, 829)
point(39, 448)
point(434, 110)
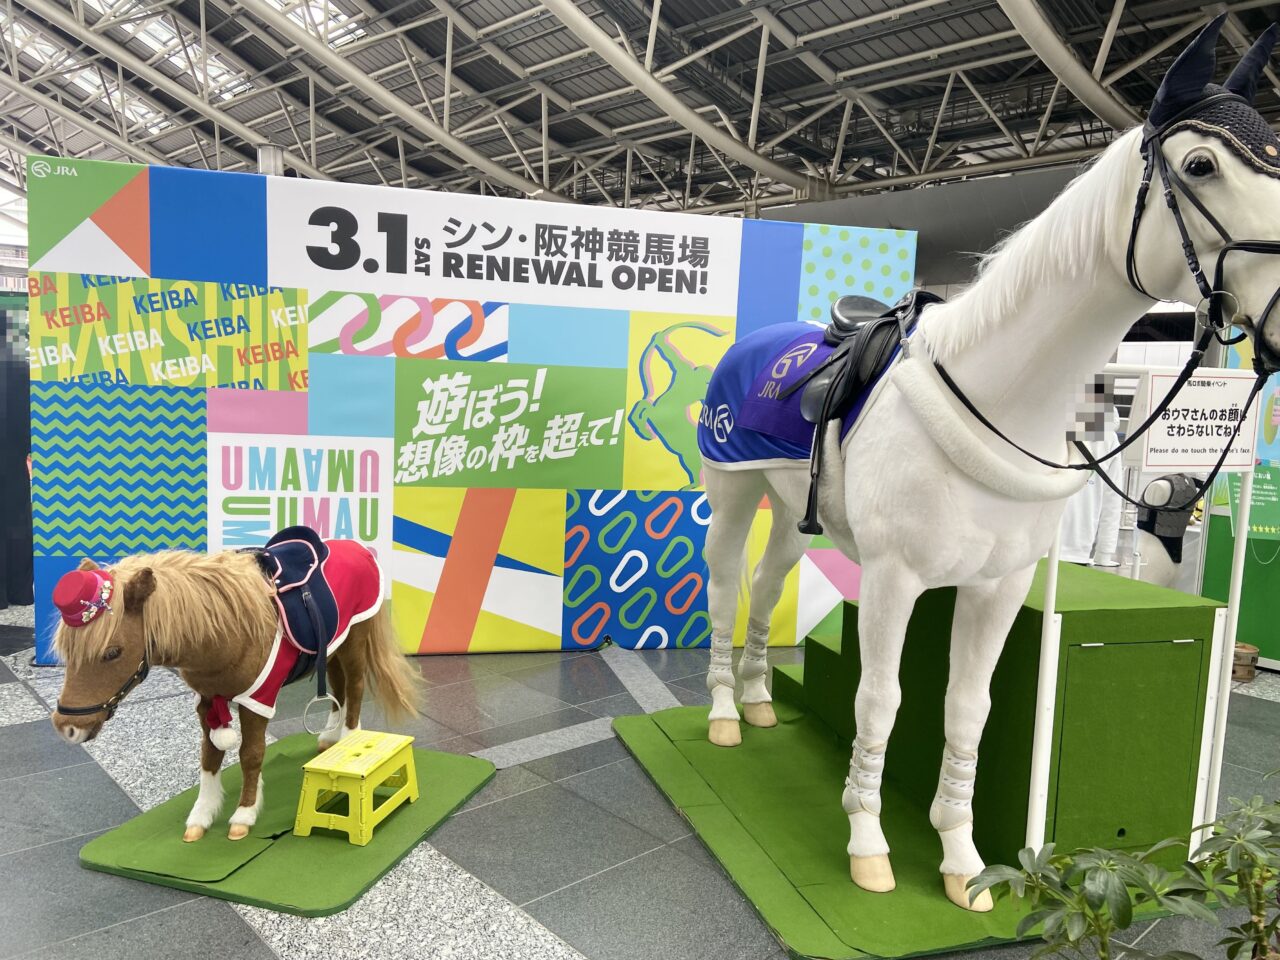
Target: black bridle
point(110, 704)
point(1265, 360)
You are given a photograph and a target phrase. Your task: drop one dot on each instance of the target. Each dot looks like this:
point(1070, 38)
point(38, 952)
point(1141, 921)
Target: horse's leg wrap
point(720, 678)
point(952, 812)
point(753, 667)
point(861, 800)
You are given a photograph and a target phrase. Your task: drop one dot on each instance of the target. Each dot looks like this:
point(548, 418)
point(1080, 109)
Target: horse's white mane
point(1068, 241)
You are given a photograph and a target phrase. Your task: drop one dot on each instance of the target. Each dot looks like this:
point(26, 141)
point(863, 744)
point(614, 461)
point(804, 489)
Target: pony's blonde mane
point(1068, 242)
point(199, 600)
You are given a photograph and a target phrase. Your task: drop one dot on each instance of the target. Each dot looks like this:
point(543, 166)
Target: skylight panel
point(333, 24)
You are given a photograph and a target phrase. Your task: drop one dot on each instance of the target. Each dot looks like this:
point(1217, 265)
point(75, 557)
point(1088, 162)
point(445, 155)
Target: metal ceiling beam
point(995, 117)
point(448, 74)
point(322, 54)
point(965, 172)
point(932, 53)
point(697, 76)
point(828, 75)
point(76, 118)
point(890, 13)
point(317, 83)
point(64, 21)
point(811, 60)
point(17, 146)
point(1043, 38)
point(132, 89)
point(256, 76)
point(633, 71)
point(513, 66)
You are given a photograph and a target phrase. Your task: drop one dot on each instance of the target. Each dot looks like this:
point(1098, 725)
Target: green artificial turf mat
point(769, 811)
point(311, 876)
point(1082, 588)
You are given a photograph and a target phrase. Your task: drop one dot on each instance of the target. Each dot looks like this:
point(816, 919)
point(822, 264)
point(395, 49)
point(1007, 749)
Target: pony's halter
point(112, 702)
point(1232, 120)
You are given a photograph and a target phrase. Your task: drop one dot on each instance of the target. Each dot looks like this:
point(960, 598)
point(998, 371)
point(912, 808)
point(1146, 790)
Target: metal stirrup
point(306, 711)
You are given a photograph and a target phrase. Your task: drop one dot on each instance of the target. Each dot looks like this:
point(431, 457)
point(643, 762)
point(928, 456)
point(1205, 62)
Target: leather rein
point(1265, 361)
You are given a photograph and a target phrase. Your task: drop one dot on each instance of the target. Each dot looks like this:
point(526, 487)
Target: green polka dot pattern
point(858, 260)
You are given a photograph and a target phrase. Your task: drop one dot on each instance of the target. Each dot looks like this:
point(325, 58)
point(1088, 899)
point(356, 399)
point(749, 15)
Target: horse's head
point(102, 641)
point(1213, 164)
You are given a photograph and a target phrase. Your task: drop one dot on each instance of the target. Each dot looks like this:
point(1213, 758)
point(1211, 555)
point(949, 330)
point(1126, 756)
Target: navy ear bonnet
point(1188, 100)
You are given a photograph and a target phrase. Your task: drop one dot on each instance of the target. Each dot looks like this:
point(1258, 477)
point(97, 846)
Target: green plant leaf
point(1055, 923)
point(1032, 920)
point(1077, 926)
point(1048, 950)
point(1045, 857)
point(1186, 907)
point(1095, 887)
point(994, 876)
point(1118, 903)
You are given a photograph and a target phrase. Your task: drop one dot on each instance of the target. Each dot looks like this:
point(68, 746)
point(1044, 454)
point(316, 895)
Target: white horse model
point(923, 496)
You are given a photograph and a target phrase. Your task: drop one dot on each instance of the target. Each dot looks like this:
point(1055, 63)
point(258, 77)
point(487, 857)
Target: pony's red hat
point(83, 594)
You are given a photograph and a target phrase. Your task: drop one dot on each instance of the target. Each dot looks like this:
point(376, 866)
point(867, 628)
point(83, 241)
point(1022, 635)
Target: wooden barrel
point(1245, 665)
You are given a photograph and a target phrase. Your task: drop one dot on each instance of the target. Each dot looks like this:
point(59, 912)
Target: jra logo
point(43, 168)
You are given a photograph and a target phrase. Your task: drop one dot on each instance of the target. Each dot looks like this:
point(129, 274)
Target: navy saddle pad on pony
point(308, 609)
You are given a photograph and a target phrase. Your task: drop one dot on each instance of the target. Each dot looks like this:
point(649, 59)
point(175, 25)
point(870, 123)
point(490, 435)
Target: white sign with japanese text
point(383, 240)
point(1191, 433)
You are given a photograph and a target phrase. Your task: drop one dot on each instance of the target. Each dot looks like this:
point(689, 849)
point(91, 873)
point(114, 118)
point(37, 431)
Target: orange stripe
point(467, 568)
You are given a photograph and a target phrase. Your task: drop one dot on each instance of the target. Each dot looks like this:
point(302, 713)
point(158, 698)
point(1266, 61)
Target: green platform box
point(1135, 682)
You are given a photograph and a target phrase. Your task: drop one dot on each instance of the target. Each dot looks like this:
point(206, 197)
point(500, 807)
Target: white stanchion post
point(1130, 489)
point(1202, 810)
point(1229, 640)
point(1046, 701)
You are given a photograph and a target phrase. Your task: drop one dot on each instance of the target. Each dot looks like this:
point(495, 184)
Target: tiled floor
point(569, 853)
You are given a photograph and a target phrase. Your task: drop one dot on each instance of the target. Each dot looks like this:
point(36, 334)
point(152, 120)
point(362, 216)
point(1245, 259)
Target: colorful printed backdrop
point(497, 396)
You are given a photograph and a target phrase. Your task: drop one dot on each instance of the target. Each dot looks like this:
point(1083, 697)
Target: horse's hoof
point(955, 885)
point(238, 831)
point(724, 733)
point(873, 874)
point(193, 834)
point(759, 714)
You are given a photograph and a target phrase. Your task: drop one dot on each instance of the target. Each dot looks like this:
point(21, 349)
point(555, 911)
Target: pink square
point(257, 411)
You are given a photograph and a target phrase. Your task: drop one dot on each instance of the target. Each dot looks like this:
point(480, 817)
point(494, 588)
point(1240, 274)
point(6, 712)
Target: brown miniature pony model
point(214, 619)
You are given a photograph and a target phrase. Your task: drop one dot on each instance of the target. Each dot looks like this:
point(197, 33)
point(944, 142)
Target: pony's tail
point(397, 685)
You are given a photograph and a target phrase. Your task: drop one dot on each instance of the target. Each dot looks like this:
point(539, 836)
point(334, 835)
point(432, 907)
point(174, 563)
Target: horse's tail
point(397, 685)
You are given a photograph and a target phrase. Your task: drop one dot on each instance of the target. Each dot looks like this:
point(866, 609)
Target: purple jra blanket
point(744, 419)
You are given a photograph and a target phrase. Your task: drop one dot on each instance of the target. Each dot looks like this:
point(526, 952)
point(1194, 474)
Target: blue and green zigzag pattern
point(117, 469)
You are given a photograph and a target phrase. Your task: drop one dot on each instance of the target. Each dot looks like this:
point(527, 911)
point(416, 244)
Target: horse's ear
point(1184, 84)
point(1244, 78)
point(87, 564)
point(140, 586)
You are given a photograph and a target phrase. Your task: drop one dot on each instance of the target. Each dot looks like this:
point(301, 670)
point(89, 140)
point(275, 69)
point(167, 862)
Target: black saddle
point(848, 314)
point(293, 560)
point(864, 344)
point(308, 609)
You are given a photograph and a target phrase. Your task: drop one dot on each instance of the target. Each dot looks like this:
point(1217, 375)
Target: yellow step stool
point(357, 765)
